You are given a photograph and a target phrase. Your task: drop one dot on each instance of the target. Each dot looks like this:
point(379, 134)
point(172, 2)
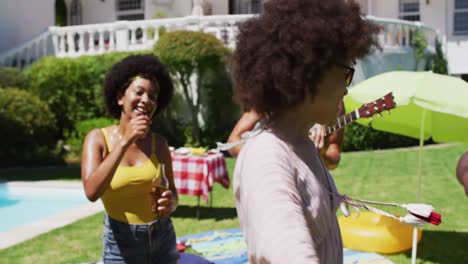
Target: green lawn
point(378, 175)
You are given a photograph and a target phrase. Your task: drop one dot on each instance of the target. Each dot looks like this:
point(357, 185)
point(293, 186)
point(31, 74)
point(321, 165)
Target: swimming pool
point(23, 204)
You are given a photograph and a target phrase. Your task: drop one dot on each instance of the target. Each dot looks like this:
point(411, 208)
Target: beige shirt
point(285, 209)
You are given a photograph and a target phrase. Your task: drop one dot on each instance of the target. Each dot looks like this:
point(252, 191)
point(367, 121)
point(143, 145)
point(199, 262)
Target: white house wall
point(152, 7)
point(385, 8)
point(437, 14)
point(171, 8)
point(20, 20)
point(95, 11)
point(180, 8)
point(434, 14)
point(220, 7)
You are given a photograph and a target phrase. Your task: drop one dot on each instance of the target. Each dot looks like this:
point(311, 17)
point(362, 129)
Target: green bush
point(75, 137)
point(71, 87)
point(60, 13)
point(189, 54)
point(9, 77)
point(171, 122)
point(358, 137)
point(27, 127)
point(419, 44)
point(437, 62)
point(218, 109)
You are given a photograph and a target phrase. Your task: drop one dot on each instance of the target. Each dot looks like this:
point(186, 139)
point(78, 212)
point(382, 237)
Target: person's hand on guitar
point(329, 147)
point(317, 135)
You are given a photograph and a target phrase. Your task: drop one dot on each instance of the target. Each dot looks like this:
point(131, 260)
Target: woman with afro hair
point(293, 64)
point(121, 162)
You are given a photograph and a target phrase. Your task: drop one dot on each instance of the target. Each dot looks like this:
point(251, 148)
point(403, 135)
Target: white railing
point(398, 33)
point(74, 41)
point(28, 52)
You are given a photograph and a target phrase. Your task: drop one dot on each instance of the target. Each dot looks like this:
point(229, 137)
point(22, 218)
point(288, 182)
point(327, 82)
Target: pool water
point(22, 205)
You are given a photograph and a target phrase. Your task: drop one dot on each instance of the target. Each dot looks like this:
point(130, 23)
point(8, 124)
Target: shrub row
point(62, 99)
point(72, 88)
point(359, 137)
point(27, 129)
point(72, 91)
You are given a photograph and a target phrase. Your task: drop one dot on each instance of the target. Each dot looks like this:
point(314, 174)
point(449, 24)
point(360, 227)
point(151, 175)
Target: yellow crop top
point(128, 197)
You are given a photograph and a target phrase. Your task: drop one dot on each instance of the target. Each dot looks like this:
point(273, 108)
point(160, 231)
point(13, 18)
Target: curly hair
point(288, 48)
point(120, 75)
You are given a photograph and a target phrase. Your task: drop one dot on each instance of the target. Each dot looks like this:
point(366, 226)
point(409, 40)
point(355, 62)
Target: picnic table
point(196, 174)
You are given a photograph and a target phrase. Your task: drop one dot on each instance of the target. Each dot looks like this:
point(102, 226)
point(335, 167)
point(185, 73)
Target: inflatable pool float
point(371, 232)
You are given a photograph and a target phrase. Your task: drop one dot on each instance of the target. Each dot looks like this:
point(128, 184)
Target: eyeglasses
point(349, 73)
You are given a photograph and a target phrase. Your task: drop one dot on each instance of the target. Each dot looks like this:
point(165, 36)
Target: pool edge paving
point(26, 232)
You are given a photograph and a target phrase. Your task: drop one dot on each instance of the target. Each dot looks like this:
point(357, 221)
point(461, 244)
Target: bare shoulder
point(95, 136)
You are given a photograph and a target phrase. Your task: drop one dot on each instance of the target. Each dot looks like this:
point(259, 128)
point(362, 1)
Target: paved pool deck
point(26, 232)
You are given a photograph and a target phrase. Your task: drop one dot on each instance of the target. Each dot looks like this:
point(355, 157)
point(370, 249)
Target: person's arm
point(329, 148)
point(462, 171)
point(245, 123)
point(169, 200)
point(97, 169)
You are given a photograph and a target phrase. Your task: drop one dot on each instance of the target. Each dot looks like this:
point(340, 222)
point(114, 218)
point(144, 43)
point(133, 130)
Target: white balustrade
point(74, 41)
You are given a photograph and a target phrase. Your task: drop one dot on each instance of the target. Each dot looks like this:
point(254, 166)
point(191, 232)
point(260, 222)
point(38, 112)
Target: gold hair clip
point(136, 77)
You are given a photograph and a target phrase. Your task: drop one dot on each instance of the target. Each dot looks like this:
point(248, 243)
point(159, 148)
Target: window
point(132, 17)
point(75, 12)
point(130, 10)
point(245, 6)
point(125, 5)
point(409, 10)
point(460, 17)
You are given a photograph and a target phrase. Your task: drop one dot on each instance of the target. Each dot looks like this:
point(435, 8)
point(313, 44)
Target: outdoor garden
point(47, 109)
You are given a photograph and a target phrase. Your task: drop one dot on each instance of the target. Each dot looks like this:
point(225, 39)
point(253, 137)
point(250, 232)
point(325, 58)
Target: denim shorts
point(154, 242)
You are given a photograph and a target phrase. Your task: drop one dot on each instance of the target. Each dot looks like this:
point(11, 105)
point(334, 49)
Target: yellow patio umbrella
point(429, 105)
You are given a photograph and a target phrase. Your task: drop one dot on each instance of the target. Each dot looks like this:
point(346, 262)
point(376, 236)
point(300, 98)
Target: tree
point(438, 63)
point(60, 13)
point(419, 44)
point(189, 56)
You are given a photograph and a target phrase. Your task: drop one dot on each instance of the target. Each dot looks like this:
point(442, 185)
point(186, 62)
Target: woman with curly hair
point(293, 63)
point(121, 163)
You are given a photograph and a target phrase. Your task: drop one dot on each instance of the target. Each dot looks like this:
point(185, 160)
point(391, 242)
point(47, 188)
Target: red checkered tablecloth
point(195, 175)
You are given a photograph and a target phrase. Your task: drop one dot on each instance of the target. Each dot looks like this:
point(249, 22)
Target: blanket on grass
point(228, 246)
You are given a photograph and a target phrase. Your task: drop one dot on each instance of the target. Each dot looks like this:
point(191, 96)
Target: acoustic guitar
point(365, 111)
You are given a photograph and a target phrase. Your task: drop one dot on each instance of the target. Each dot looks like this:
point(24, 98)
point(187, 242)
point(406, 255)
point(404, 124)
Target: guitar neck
point(341, 122)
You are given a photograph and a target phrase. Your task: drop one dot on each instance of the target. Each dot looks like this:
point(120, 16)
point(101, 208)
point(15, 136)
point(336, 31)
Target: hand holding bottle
point(161, 194)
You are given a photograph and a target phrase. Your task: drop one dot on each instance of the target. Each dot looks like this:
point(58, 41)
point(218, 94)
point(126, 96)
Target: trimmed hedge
point(218, 108)
point(27, 128)
point(9, 77)
point(75, 138)
point(71, 87)
point(359, 137)
point(187, 54)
